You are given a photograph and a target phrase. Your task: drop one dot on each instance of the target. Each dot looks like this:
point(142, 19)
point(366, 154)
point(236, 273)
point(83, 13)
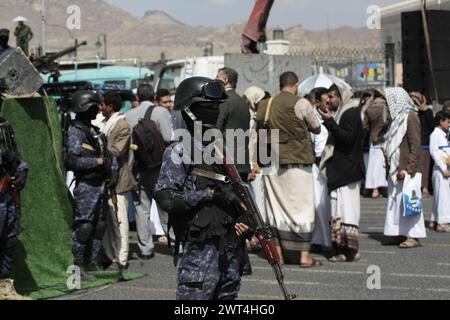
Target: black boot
point(247, 268)
point(84, 275)
point(92, 267)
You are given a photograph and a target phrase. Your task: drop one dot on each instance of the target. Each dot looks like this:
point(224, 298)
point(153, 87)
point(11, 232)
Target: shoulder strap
point(269, 107)
point(149, 112)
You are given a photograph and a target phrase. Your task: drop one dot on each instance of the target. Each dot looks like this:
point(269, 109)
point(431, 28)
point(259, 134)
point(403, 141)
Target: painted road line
point(402, 275)
point(328, 285)
point(246, 296)
point(379, 252)
point(411, 275)
point(437, 245)
point(312, 271)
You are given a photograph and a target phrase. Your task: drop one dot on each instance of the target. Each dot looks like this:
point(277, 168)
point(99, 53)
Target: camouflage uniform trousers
point(206, 274)
point(90, 207)
point(9, 230)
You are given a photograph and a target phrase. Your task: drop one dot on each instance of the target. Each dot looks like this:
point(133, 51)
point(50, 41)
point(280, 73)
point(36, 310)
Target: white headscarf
point(108, 125)
point(400, 105)
point(346, 93)
point(254, 95)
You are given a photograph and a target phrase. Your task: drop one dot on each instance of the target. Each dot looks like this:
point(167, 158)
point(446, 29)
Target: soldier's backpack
point(150, 144)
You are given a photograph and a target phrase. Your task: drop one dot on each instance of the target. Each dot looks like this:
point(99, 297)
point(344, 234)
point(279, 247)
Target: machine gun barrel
point(66, 51)
point(44, 62)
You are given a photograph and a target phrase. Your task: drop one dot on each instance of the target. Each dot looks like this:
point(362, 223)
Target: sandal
point(314, 263)
point(356, 258)
point(409, 244)
point(339, 258)
point(443, 228)
point(163, 240)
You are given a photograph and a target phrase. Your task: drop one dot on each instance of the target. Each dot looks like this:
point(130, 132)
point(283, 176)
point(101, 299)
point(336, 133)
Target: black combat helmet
point(83, 100)
point(199, 89)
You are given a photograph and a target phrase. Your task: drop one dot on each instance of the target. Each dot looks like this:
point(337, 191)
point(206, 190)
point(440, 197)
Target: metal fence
point(362, 68)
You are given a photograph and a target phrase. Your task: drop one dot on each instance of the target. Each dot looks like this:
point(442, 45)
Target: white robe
point(376, 168)
point(258, 191)
point(156, 227)
point(441, 185)
point(346, 204)
point(256, 187)
point(322, 233)
point(396, 224)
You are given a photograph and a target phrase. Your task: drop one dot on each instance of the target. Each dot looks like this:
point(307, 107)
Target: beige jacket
point(119, 146)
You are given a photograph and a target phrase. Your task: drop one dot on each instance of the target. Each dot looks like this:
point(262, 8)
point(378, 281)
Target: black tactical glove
point(19, 179)
point(107, 163)
point(171, 201)
point(225, 198)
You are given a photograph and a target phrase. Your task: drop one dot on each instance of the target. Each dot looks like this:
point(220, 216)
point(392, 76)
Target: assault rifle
point(262, 230)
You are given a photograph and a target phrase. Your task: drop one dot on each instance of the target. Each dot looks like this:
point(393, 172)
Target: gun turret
point(48, 64)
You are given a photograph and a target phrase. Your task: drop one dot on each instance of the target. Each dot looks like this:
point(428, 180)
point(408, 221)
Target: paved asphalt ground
point(422, 273)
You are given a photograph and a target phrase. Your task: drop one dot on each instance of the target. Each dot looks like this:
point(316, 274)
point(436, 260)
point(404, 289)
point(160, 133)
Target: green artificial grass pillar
point(43, 254)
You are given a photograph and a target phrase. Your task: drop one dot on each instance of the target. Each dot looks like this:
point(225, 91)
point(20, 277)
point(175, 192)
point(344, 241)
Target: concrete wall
point(264, 70)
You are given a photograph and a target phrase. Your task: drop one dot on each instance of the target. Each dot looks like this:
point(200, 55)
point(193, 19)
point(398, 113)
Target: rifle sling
point(211, 175)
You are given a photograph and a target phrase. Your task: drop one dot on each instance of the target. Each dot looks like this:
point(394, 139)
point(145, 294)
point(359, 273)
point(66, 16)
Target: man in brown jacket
point(117, 131)
point(290, 195)
point(402, 148)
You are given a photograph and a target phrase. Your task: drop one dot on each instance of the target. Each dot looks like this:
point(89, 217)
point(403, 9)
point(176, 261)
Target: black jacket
point(347, 164)
point(235, 114)
point(427, 126)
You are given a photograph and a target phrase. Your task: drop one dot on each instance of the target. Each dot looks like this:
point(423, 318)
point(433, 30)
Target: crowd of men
point(310, 196)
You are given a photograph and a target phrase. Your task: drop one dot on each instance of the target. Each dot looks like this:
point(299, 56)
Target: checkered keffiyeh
point(400, 105)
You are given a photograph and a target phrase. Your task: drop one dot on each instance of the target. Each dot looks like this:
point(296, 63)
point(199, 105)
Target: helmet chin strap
point(195, 119)
point(190, 114)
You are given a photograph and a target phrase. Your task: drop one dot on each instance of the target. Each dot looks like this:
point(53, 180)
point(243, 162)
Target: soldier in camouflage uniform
point(84, 157)
point(13, 175)
point(23, 35)
point(203, 211)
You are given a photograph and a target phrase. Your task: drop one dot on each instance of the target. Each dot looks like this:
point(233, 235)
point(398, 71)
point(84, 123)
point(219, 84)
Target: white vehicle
point(174, 72)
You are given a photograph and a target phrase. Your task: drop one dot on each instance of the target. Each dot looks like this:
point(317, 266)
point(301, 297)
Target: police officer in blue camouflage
point(5, 49)
point(203, 210)
point(92, 169)
point(13, 176)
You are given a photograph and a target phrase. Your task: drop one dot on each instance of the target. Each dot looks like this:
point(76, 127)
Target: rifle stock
point(4, 184)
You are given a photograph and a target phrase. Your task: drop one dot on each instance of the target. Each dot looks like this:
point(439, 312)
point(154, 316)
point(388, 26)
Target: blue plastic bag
point(412, 196)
